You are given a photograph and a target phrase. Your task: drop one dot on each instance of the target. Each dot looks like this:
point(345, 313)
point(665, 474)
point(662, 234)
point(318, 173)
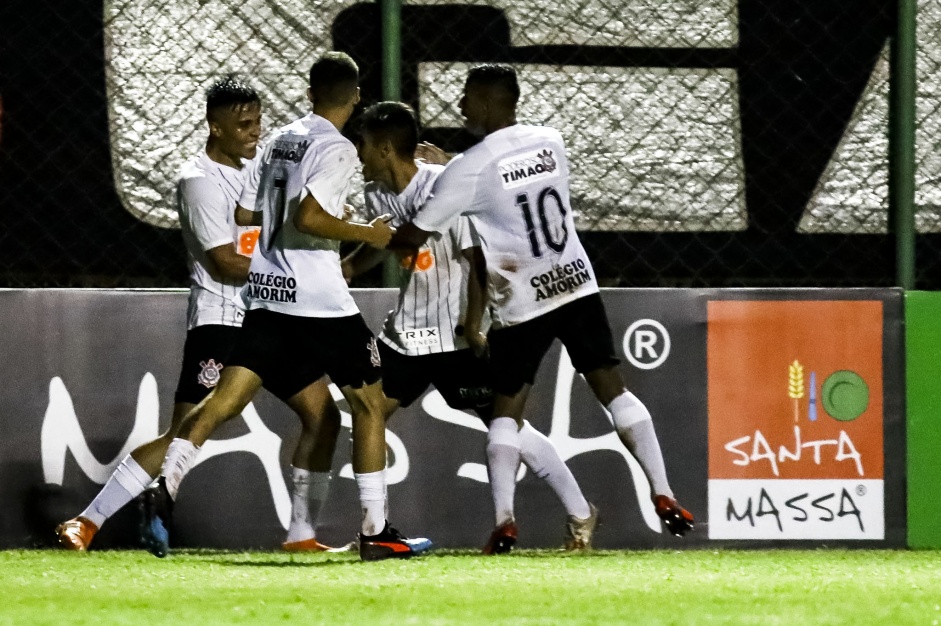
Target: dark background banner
point(88, 374)
point(802, 69)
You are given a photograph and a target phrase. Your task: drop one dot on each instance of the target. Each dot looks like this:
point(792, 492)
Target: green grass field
point(526, 587)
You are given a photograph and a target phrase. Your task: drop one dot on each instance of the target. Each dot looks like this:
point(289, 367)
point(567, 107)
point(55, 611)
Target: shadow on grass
point(281, 560)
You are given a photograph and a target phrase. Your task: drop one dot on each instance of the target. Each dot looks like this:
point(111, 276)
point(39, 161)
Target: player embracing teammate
point(428, 339)
point(514, 187)
point(302, 321)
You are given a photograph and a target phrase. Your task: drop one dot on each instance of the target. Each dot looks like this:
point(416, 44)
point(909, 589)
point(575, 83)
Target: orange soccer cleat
point(502, 539)
point(678, 520)
point(306, 545)
point(76, 533)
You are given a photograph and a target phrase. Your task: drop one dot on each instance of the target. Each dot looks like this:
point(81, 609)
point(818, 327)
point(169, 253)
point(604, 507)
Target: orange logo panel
point(422, 263)
point(248, 240)
point(795, 389)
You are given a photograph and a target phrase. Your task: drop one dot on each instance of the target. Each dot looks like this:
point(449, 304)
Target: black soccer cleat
point(157, 515)
point(390, 544)
point(678, 520)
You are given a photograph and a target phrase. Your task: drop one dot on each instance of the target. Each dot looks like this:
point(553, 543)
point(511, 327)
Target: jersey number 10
point(556, 245)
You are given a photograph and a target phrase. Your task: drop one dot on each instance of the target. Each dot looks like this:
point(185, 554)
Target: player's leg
point(237, 386)
point(205, 350)
point(587, 336)
point(466, 382)
point(128, 480)
point(515, 354)
point(355, 366)
point(311, 463)
point(635, 428)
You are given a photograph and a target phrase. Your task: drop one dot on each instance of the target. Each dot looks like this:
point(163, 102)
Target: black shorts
point(462, 379)
point(582, 327)
point(290, 352)
point(205, 353)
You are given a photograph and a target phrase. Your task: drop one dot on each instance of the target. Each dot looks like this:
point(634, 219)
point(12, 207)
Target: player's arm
point(361, 260)
point(244, 217)
point(408, 238)
point(476, 299)
point(229, 264)
point(453, 195)
point(312, 219)
point(248, 216)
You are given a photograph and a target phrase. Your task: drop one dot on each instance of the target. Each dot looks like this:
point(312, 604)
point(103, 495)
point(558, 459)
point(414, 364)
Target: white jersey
point(434, 300)
point(206, 195)
point(515, 187)
point(293, 272)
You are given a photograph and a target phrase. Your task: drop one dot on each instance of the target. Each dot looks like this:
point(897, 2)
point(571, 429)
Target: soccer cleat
point(578, 531)
point(390, 544)
point(76, 533)
point(307, 545)
point(678, 520)
point(157, 509)
point(502, 539)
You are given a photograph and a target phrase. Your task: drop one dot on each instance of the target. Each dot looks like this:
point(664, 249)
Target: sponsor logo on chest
point(421, 338)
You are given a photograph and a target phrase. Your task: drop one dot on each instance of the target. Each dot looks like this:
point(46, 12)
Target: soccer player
point(422, 342)
point(514, 186)
point(208, 189)
point(302, 321)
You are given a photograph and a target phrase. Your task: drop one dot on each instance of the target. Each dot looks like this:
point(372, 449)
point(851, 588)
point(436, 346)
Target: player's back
point(519, 178)
point(294, 272)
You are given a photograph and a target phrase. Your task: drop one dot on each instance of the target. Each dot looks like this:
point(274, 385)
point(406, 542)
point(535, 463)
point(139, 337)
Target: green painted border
point(923, 402)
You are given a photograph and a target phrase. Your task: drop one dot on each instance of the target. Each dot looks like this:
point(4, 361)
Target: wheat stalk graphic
point(795, 385)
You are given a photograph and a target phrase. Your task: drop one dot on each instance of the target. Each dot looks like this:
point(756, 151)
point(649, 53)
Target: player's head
point(334, 85)
point(490, 96)
point(233, 111)
point(388, 134)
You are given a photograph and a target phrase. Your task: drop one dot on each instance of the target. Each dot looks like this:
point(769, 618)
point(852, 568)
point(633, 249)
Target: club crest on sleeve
point(373, 352)
point(209, 376)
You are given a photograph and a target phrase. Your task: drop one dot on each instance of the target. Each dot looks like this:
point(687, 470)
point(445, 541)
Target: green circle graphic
point(845, 395)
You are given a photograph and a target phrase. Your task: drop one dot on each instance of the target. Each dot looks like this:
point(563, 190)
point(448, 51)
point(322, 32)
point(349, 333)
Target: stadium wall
point(923, 402)
point(780, 414)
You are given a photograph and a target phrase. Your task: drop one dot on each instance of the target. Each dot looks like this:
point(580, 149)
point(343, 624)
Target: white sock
point(503, 460)
point(180, 457)
point(309, 491)
point(128, 480)
point(541, 456)
point(635, 427)
point(372, 497)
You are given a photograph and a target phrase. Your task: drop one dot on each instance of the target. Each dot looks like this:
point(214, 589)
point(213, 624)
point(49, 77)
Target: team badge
point(209, 376)
point(547, 161)
point(374, 353)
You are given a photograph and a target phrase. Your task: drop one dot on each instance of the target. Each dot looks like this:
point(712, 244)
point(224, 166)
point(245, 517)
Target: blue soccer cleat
point(157, 508)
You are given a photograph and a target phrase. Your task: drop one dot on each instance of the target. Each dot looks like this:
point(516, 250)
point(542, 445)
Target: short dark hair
point(497, 76)
point(394, 122)
point(229, 91)
point(333, 78)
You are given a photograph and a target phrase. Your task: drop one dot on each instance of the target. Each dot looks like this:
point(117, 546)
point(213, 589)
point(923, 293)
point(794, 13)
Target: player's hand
point(347, 269)
point(348, 211)
point(430, 153)
point(381, 231)
point(478, 344)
